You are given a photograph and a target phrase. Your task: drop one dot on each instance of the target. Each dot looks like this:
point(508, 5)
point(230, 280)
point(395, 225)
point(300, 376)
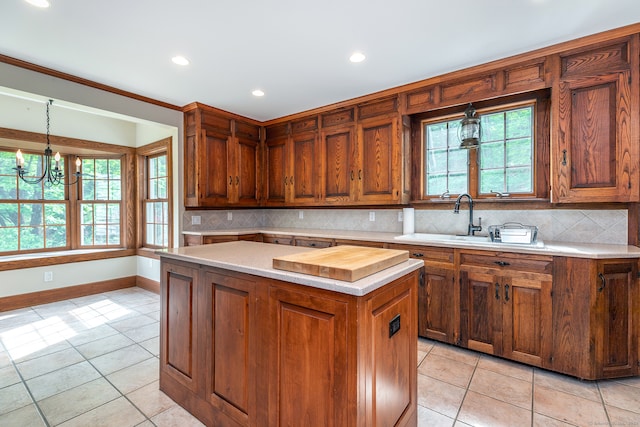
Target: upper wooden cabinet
point(222, 159)
point(594, 144)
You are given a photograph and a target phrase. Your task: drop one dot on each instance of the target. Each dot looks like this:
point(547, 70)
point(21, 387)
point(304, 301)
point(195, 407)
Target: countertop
point(577, 250)
point(257, 259)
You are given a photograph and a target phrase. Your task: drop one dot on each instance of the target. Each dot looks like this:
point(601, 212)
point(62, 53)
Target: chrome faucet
point(456, 209)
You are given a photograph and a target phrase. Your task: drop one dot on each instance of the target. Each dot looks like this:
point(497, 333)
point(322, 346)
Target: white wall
point(105, 117)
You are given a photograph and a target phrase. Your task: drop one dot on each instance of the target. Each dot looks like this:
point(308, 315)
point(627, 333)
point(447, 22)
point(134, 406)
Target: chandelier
point(52, 173)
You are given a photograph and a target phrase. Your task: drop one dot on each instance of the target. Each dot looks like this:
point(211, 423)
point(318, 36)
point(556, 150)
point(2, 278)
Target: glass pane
point(159, 238)
point(492, 155)
point(88, 189)
point(492, 127)
point(114, 213)
point(114, 169)
point(114, 235)
point(31, 214)
point(492, 180)
point(32, 165)
point(162, 188)
point(56, 237)
point(153, 167)
point(458, 183)
point(437, 161)
point(102, 189)
point(153, 189)
point(458, 160)
point(519, 180)
point(55, 214)
point(162, 165)
point(436, 184)
point(8, 214)
point(158, 211)
point(149, 211)
point(8, 239)
point(88, 168)
point(102, 168)
point(453, 134)
point(100, 213)
point(165, 231)
point(8, 187)
point(100, 235)
point(31, 238)
point(29, 191)
point(436, 135)
point(519, 152)
point(115, 190)
point(149, 235)
point(86, 231)
point(54, 192)
point(7, 160)
point(519, 123)
point(87, 214)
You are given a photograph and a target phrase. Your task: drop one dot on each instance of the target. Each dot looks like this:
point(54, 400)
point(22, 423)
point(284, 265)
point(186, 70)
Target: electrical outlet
point(300, 215)
point(196, 220)
point(48, 276)
point(372, 216)
point(229, 216)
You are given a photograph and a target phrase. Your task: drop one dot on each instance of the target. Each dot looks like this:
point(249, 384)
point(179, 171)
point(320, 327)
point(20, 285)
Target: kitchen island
point(244, 344)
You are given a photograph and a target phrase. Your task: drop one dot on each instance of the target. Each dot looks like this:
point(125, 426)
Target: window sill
point(40, 259)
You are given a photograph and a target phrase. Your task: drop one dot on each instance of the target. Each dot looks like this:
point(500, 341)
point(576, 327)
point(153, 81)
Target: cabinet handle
point(421, 278)
point(501, 263)
point(291, 180)
point(564, 157)
point(313, 245)
point(417, 255)
point(237, 180)
point(497, 291)
point(230, 180)
point(603, 280)
point(506, 292)
point(285, 180)
point(360, 174)
point(351, 175)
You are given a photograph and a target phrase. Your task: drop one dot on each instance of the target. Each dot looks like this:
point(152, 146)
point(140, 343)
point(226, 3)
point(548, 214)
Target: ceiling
point(296, 51)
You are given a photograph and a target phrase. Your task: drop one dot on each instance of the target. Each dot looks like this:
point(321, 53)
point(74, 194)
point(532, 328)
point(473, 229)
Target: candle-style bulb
point(57, 157)
point(19, 159)
point(78, 163)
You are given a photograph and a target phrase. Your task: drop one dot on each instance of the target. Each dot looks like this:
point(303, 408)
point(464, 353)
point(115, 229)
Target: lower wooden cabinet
point(193, 239)
point(506, 305)
point(241, 350)
point(596, 312)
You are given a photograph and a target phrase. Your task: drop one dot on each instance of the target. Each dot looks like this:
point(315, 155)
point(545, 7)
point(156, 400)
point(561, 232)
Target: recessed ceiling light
point(180, 60)
point(257, 92)
point(357, 57)
point(39, 3)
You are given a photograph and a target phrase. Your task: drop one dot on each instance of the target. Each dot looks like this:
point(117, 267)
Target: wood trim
point(86, 82)
point(148, 284)
point(63, 258)
point(52, 295)
point(64, 141)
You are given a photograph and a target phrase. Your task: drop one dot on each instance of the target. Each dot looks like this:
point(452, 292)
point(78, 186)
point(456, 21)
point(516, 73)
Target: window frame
point(541, 134)
point(143, 154)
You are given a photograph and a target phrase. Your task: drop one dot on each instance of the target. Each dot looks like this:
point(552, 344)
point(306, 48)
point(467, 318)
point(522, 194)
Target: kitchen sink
point(454, 238)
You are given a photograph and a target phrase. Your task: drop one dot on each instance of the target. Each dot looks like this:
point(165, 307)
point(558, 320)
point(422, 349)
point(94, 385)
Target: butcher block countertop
point(257, 259)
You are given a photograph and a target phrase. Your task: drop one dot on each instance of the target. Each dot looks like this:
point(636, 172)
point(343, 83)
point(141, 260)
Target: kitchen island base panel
point(266, 352)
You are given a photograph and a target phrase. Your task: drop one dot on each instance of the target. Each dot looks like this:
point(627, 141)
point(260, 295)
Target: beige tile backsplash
point(562, 225)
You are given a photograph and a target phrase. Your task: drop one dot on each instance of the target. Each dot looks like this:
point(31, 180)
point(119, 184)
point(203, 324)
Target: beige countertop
point(577, 250)
point(257, 259)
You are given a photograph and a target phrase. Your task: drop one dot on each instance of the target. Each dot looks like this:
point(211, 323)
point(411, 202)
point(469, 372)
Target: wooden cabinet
point(278, 239)
point(193, 240)
point(506, 305)
point(594, 151)
point(313, 242)
point(291, 156)
point(596, 311)
point(222, 159)
point(438, 296)
point(242, 350)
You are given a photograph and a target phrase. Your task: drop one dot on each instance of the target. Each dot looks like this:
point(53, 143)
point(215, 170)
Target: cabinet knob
point(417, 255)
point(285, 180)
point(351, 175)
point(360, 174)
point(501, 263)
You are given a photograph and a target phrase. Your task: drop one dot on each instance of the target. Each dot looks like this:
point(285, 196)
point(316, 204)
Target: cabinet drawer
point(365, 243)
point(426, 253)
point(313, 242)
point(499, 260)
point(277, 239)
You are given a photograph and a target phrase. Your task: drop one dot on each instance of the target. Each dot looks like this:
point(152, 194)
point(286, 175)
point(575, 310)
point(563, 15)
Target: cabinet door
point(593, 159)
point(480, 312)
point(436, 304)
point(245, 181)
point(618, 313)
point(303, 169)
point(309, 378)
point(379, 172)
point(215, 175)
point(178, 325)
point(527, 319)
point(227, 326)
point(338, 169)
point(277, 182)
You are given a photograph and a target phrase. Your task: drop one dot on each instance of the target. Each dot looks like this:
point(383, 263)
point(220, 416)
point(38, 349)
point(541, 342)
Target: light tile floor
point(93, 361)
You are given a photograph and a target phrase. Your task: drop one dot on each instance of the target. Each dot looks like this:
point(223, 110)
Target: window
point(32, 216)
point(504, 162)
point(100, 202)
point(156, 204)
